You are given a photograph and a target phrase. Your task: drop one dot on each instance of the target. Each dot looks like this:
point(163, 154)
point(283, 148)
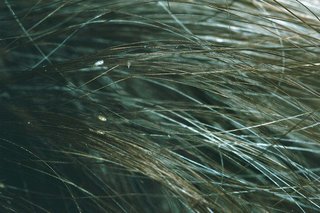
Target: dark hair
point(159, 106)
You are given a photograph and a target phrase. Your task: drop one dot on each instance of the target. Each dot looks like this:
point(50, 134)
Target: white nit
point(100, 132)
point(99, 63)
point(102, 118)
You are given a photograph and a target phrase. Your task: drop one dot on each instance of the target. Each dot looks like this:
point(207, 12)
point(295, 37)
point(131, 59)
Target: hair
point(159, 106)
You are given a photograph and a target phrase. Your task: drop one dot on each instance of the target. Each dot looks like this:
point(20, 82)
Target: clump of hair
point(159, 106)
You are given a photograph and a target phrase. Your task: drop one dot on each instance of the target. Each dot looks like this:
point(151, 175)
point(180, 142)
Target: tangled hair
point(159, 106)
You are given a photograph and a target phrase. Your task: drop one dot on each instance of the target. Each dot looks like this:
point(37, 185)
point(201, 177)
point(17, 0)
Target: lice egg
point(102, 118)
point(99, 63)
point(128, 64)
point(100, 132)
